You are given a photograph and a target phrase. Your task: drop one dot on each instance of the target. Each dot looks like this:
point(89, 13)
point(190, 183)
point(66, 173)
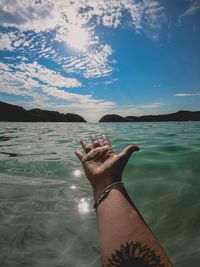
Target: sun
point(78, 38)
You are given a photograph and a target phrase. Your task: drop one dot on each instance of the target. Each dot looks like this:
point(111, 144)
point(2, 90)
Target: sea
point(46, 213)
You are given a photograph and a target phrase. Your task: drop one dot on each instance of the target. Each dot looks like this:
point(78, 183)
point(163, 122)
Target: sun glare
point(78, 38)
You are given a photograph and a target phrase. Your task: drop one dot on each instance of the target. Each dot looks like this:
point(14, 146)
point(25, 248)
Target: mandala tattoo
point(134, 255)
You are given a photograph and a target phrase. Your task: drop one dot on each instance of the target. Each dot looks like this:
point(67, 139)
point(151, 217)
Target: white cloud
point(194, 7)
point(56, 19)
point(187, 94)
point(6, 41)
point(25, 44)
point(47, 76)
point(14, 81)
point(19, 80)
point(151, 105)
point(4, 67)
point(18, 43)
point(28, 77)
point(156, 85)
point(47, 15)
point(92, 64)
point(112, 20)
point(29, 15)
point(41, 26)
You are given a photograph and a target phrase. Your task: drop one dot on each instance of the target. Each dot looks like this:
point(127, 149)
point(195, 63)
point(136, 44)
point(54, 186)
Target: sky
point(97, 57)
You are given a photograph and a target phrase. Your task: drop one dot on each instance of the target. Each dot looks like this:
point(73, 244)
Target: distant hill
point(177, 116)
point(9, 112)
point(113, 118)
point(15, 113)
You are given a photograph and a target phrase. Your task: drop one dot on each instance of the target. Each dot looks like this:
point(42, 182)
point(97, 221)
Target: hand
point(102, 165)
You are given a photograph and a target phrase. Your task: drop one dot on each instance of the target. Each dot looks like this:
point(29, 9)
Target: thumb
point(125, 155)
point(127, 152)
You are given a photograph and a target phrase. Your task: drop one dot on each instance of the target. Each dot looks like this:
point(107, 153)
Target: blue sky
point(97, 57)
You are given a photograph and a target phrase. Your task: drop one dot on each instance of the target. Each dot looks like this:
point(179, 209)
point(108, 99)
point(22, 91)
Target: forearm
point(125, 239)
point(119, 222)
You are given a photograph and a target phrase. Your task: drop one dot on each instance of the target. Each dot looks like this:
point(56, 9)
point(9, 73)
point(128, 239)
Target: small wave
point(11, 154)
point(23, 180)
point(5, 138)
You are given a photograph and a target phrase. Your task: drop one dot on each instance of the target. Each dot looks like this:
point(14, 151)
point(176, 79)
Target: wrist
point(100, 187)
point(106, 191)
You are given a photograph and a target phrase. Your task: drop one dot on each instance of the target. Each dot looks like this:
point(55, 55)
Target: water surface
point(46, 210)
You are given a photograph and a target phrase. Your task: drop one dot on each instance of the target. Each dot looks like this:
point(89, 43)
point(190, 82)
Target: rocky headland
point(177, 116)
point(9, 112)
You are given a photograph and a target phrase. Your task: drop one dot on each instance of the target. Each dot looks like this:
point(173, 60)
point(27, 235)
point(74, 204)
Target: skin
point(119, 222)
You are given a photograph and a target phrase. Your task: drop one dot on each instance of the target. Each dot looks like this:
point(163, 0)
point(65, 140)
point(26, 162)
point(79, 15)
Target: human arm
point(125, 238)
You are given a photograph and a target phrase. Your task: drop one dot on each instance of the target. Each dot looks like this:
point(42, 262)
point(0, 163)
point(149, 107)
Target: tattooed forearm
point(134, 255)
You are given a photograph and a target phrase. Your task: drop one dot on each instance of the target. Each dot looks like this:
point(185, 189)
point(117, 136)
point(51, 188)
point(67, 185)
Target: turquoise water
point(46, 215)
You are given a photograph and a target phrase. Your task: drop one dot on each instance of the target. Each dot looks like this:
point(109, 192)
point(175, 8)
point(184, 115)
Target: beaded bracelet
point(105, 193)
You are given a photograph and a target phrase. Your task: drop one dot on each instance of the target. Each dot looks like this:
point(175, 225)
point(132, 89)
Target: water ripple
point(46, 202)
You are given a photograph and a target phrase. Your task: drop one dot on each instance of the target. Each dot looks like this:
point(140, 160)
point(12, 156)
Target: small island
point(177, 116)
point(13, 113)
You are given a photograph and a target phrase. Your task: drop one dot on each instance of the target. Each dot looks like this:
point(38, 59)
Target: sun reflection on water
point(72, 186)
point(77, 173)
point(83, 206)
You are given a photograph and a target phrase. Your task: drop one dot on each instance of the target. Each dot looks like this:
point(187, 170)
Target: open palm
point(102, 165)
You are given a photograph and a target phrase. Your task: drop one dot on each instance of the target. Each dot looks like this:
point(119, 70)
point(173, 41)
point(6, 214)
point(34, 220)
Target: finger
point(85, 146)
point(79, 154)
point(95, 142)
point(107, 154)
point(98, 153)
point(106, 140)
point(127, 152)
